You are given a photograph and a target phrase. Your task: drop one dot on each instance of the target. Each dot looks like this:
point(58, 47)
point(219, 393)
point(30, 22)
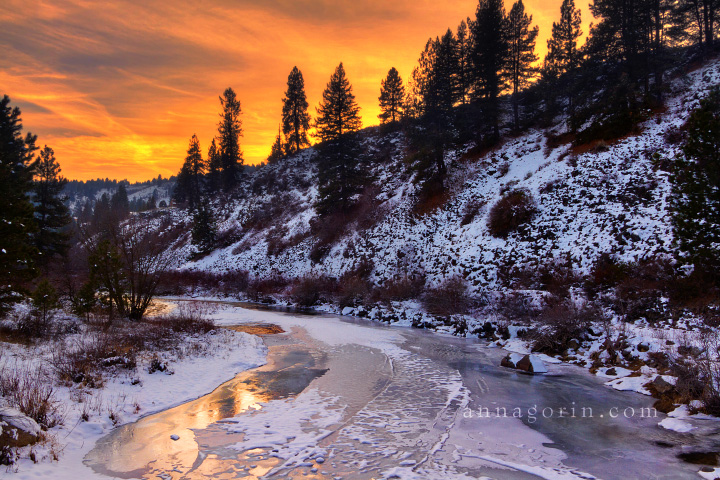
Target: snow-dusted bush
point(515, 209)
point(449, 298)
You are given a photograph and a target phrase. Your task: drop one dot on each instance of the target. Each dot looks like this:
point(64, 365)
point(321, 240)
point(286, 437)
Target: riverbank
point(199, 364)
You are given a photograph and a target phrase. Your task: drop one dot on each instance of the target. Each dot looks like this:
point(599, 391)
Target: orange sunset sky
point(117, 88)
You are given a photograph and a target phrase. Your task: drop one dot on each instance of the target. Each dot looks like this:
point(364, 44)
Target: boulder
point(661, 385)
point(511, 360)
point(17, 429)
point(531, 364)
point(527, 363)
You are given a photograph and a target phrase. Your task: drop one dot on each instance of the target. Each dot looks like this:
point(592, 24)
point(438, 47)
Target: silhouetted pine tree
point(696, 185)
point(563, 57)
point(339, 176)
point(17, 223)
point(295, 117)
point(229, 133)
point(51, 213)
point(392, 96)
point(214, 168)
point(338, 113)
point(120, 204)
point(189, 186)
point(521, 57)
point(277, 150)
point(464, 61)
point(489, 54)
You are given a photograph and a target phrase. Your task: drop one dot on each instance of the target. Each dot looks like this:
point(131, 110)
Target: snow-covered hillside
point(610, 198)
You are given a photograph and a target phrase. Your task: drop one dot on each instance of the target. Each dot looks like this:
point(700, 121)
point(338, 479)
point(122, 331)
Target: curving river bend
point(352, 399)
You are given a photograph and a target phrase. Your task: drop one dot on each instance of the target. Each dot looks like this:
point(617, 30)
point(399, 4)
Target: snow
point(192, 378)
point(676, 425)
point(537, 365)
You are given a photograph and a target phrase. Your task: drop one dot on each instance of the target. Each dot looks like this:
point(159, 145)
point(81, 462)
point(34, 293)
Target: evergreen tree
point(277, 150)
point(17, 223)
point(204, 230)
point(489, 55)
point(392, 95)
point(563, 57)
point(189, 181)
point(464, 61)
point(102, 214)
point(338, 112)
point(521, 42)
point(696, 185)
point(229, 133)
point(119, 203)
point(445, 72)
point(214, 168)
point(51, 213)
point(295, 117)
point(340, 176)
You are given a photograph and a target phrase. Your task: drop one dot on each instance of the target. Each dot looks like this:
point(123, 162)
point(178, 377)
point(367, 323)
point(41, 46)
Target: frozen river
point(344, 398)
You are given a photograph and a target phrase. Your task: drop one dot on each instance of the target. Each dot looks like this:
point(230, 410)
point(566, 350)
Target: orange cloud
point(117, 89)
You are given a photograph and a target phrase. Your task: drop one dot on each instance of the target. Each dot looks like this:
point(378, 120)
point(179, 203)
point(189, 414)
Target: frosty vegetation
point(568, 206)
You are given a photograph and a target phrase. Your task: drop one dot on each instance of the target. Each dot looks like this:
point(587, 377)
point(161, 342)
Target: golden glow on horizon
point(118, 89)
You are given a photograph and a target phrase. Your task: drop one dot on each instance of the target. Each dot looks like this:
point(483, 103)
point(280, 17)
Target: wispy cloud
point(117, 88)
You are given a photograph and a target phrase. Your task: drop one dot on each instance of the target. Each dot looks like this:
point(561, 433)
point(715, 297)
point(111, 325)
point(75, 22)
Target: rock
point(661, 385)
point(174, 437)
point(527, 363)
point(347, 311)
point(320, 460)
point(531, 364)
point(573, 344)
point(611, 371)
point(511, 360)
point(643, 347)
point(17, 429)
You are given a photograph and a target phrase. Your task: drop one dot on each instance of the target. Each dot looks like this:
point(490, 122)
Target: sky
point(118, 88)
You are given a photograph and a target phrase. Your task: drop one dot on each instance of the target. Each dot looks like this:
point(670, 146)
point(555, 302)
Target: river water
point(346, 398)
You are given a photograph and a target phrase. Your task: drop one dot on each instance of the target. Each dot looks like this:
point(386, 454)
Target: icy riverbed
point(342, 398)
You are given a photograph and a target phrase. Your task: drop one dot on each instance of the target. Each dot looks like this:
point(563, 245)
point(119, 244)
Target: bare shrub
point(560, 322)
point(308, 291)
point(30, 390)
point(448, 298)
point(260, 289)
point(400, 287)
point(514, 210)
point(517, 307)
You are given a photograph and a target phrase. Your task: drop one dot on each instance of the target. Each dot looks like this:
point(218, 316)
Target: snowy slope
point(613, 198)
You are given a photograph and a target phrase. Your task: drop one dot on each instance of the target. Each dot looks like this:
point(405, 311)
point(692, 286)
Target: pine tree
point(229, 133)
point(563, 57)
point(17, 223)
point(204, 230)
point(277, 151)
point(521, 42)
point(392, 95)
point(489, 55)
point(51, 213)
point(445, 72)
point(120, 203)
point(295, 117)
point(214, 168)
point(189, 186)
point(338, 119)
point(464, 61)
point(696, 186)
point(338, 112)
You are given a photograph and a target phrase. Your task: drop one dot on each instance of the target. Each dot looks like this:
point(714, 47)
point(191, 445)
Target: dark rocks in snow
point(527, 363)
point(17, 429)
point(662, 386)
